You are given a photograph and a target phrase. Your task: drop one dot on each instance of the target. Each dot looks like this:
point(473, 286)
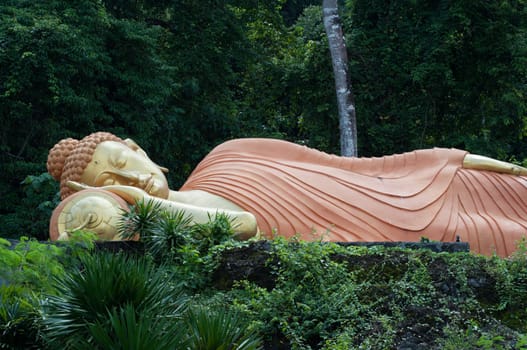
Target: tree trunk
point(339, 58)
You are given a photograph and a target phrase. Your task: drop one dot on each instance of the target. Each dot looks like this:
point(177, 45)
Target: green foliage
point(180, 77)
point(323, 296)
point(172, 237)
point(331, 297)
point(141, 219)
point(115, 302)
point(65, 61)
point(126, 328)
point(106, 284)
point(512, 286)
point(211, 329)
point(299, 99)
point(475, 338)
point(19, 319)
point(309, 300)
point(32, 211)
point(309, 66)
point(30, 265)
point(163, 232)
point(27, 271)
point(456, 81)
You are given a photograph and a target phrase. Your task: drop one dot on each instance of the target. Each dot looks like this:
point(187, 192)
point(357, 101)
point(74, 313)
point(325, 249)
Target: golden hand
point(129, 193)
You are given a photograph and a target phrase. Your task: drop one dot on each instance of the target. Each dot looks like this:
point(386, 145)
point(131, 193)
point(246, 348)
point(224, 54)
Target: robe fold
point(296, 190)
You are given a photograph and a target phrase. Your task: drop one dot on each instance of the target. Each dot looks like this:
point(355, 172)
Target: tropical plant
point(140, 220)
point(162, 232)
point(126, 328)
point(211, 329)
point(30, 265)
point(27, 271)
point(172, 232)
point(217, 230)
point(105, 284)
point(19, 319)
point(168, 234)
point(173, 238)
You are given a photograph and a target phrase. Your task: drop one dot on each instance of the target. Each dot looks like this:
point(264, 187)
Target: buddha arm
point(474, 161)
point(244, 223)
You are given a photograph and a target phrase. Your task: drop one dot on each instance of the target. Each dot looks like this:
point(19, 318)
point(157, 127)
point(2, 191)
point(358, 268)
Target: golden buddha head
point(102, 159)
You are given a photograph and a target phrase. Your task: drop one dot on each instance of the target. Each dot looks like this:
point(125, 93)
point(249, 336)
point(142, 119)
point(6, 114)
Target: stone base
point(252, 262)
point(437, 247)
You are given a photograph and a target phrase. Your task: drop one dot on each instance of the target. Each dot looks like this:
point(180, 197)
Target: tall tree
point(339, 58)
point(439, 74)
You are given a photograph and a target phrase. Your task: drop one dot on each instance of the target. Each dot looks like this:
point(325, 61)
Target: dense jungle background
point(181, 76)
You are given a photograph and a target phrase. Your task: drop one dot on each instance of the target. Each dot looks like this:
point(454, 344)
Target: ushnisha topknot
point(69, 157)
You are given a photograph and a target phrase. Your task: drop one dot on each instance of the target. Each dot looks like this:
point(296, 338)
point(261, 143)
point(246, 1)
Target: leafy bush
point(309, 301)
point(211, 329)
point(32, 208)
point(30, 265)
point(105, 284)
point(126, 328)
point(171, 237)
point(322, 295)
point(19, 319)
point(165, 233)
point(331, 297)
point(511, 280)
point(27, 271)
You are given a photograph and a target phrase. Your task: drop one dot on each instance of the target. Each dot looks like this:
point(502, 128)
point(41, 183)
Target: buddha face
point(115, 163)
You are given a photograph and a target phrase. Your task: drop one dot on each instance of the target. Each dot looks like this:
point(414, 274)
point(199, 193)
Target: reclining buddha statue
point(273, 187)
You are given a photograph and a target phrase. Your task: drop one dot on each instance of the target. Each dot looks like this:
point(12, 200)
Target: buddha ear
point(135, 147)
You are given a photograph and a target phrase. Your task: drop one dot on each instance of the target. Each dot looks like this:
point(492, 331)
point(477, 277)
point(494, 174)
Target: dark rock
point(437, 247)
point(484, 287)
point(245, 263)
point(252, 262)
point(132, 247)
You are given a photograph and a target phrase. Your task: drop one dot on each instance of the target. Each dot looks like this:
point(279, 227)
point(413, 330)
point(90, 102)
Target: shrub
point(511, 279)
point(19, 319)
point(31, 211)
point(331, 297)
point(126, 328)
point(107, 284)
point(31, 265)
point(171, 237)
point(211, 329)
point(27, 270)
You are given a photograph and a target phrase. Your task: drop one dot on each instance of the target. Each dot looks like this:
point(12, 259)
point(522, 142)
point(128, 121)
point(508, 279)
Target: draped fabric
point(295, 190)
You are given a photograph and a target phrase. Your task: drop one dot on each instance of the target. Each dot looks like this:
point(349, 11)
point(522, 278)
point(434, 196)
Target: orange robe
point(292, 189)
